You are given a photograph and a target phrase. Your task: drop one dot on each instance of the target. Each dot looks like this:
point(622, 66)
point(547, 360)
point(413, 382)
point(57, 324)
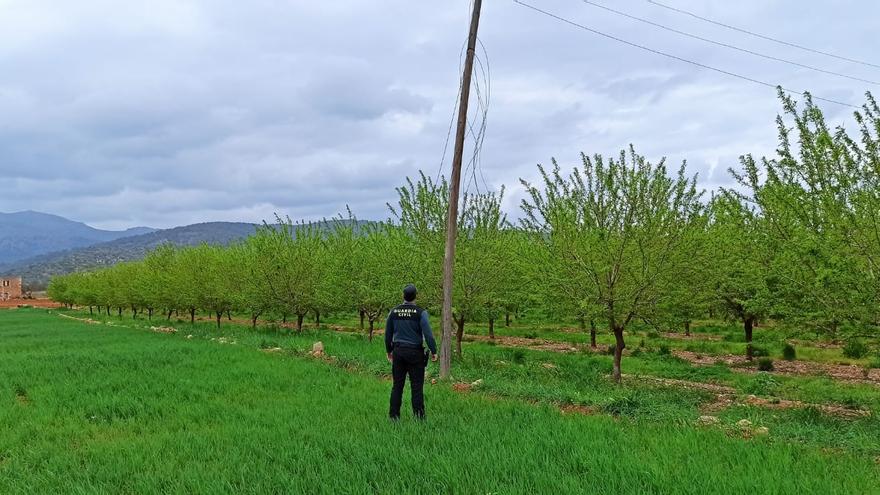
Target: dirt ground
point(724, 400)
point(692, 336)
point(842, 372)
point(727, 397)
point(37, 303)
point(538, 344)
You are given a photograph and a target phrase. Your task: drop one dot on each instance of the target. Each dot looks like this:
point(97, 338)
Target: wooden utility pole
point(455, 186)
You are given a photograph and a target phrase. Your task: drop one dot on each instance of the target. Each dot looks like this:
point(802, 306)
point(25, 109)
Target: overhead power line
point(452, 118)
point(727, 45)
point(762, 36)
point(674, 57)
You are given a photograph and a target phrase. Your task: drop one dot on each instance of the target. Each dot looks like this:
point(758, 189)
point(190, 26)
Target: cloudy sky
point(169, 112)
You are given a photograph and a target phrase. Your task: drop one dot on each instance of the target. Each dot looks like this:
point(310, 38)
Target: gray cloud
point(166, 112)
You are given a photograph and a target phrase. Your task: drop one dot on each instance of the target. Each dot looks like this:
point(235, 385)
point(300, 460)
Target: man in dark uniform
point(407, 327)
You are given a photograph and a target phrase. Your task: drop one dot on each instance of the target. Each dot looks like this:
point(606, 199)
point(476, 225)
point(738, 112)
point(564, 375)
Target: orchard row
point(615, 241)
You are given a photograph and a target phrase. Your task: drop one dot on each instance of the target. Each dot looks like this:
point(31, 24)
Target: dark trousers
point(408, 360)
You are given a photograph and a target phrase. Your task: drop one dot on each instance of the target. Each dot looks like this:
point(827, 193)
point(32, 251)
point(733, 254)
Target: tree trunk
point(299, 322)
point(507, 319)
point(192, 315)
point(372, 322)
point(90, 310)
point(150, 314)
point(362, 321)
point(459, 335)
point(618, 352)
point(284, 319)
point(229, 314)
point(748, 325)
point(492, 328)
point(219, 316)
point(170, 312)
point(254, 320)
point(119, 309)
point(317, 318)
point(108, 310)
point(687, 329)
point(134, 313)
point(593, 333)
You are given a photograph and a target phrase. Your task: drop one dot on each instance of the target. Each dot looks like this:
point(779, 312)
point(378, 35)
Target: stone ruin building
point(10, 288)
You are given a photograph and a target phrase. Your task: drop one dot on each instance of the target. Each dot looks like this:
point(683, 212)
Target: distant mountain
point(37, 271)
point(26, 234)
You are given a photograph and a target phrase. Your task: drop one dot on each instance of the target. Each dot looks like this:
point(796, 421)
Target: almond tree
point(689, 293)
point(133, 280)
point(820, 200)
point(483, 252)
point(483, 262)
point(251, 295)
point(188, 281)
point(84, 293)
point(114, 288)
point(365, 266)
point(60, 289)
point(863, 215)
point(158, 283)
point(511, 293)
point(289, 261)
point(560, 293)
point(741, 269)
point(616, 225)
point(214, 284)
point(420, 213)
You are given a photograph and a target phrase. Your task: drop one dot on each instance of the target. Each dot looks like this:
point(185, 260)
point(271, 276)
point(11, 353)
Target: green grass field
point(93, 408)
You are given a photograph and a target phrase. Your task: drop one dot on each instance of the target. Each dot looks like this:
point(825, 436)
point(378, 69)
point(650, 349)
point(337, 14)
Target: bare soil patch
point(461, 387)
point(538, 344)
point(726, 396)
point(35, 303)
point(724, 401)
point(721, 401)
point(692, 336)
point(711, 359)
point(829, 409)
point(578, 409)
point(841, 372)
point(687, 384)
point(817, 345)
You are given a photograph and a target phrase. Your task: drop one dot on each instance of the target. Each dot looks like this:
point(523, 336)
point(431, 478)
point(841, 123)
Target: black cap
point(409, 293)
